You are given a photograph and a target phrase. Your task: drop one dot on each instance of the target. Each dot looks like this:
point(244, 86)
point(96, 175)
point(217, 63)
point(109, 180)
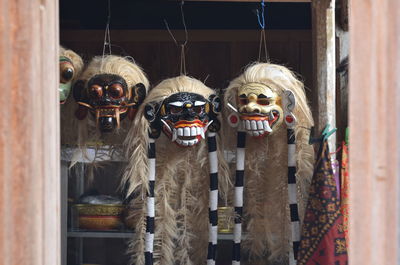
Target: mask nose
point(253, 108)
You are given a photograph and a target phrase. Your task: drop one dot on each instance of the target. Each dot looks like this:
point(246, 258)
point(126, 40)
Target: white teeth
point(253, 125)
point(255, 133)
point(202, 133)
point(248, 126)
point(261, 132)
point(193, 131)
point(267, 128)
point(260, 125)
point(199, 130)
point(180, 132)
point(186, 131)
point(174, 135)
point(187, 142)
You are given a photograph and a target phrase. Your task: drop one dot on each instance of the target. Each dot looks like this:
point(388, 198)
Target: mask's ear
point(138, 94)
point(152, 114)
point(215, 109)
point(289, 102)
point(78, 91)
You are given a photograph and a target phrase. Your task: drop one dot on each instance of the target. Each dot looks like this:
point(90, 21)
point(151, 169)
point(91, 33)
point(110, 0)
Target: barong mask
point(109, 99)
point(71, 65)
point(184, 117)
point(260, 109)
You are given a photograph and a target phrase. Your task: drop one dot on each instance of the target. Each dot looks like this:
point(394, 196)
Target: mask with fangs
point(184, 117)
point(110, 89)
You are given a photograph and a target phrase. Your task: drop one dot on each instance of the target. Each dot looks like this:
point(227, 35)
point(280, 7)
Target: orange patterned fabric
point(345, 189)
point(322, 240)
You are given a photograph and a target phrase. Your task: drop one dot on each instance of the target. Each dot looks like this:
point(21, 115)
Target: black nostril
point(256, 111)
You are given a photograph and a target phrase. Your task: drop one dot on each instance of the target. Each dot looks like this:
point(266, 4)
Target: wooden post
point(374, 131)
point(324, 83)
point(29, 134)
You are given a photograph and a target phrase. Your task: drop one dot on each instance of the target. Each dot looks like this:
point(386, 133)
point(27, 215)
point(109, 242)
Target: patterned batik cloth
point(345, 189)
point(323, 241)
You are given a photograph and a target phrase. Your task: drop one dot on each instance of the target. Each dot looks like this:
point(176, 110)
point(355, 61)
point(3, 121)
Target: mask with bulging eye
point(259, 109)
point(67, 72)
point(184, 117)
point(108, 99)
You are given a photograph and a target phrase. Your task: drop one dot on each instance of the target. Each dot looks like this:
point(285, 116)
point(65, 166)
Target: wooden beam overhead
point(249, 1)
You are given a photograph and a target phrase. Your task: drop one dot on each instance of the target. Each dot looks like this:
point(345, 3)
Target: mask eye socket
point(243, 101)
point(116, 91)
point(175, 109)
point(198, 109)
point(66, 73)
point(96, 91)
point(263, 101)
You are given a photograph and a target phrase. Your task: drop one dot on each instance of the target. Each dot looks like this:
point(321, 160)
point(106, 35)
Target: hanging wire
point(107, 36)
point(263, 38)
point(182, 45)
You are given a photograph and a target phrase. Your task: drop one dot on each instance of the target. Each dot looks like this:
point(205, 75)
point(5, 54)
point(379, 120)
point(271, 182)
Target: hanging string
point(107, 36)
point(181, 45)
point(263, 38)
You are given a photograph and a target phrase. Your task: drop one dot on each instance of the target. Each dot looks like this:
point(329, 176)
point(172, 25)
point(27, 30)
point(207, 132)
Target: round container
point(226, 220)
point(99, 216)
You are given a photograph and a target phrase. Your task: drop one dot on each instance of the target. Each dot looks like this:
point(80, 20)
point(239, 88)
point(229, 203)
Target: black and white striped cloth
point(292, 192)
point(238, 199)
point(149, 237)
point(213, 212)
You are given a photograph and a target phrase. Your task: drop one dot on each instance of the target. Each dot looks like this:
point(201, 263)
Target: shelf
point(115, 234)
point(100, 234)
point(92, 154)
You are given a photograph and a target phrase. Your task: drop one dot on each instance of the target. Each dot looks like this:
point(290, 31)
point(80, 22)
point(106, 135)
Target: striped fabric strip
point(292, 192)
point(213, 213)
point(149, 237)
point(238, 200)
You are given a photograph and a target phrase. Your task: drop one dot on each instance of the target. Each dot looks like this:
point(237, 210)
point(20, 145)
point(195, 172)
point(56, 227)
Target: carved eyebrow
point(263, 96)
point(176, 103)
point(199, 103)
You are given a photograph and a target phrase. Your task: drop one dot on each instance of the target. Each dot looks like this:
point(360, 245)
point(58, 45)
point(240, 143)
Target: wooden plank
point(282, 1)
point(374, 131)
point(97, 36)
point(29, 135)
point(323, 23)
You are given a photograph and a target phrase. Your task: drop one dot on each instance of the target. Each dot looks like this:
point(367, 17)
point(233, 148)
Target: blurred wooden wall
point(220, 55)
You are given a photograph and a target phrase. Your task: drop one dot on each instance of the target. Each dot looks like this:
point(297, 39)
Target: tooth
point(180, 132)
point(260, 125)
point(199, 130)
point(174, 135)
point(253, 125)
point(191, 143)
point(166, 125)
point(186, 131)
point(271, 115)
point(193, 131)
point(195, 141)
point(267, 128)
point(255, 133)
point(261, 132)
point(185, 143)
point(208, 124)
point(179, 141)
point(202, 133)
point(248, 126)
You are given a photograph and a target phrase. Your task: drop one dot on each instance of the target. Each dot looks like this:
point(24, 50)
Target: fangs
point(187, 142)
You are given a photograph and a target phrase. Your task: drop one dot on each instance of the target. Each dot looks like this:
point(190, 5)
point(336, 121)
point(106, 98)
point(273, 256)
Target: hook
point(326, 133)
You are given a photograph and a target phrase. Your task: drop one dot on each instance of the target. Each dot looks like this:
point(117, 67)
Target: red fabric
point(322, 240)
point(345, 190)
